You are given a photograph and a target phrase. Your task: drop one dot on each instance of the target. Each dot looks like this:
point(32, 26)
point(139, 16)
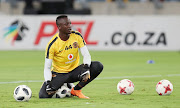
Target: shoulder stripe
point(79, 35)
point(47, 56)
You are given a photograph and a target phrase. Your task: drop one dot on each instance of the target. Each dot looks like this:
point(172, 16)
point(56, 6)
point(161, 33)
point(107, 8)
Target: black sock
point(78, 87)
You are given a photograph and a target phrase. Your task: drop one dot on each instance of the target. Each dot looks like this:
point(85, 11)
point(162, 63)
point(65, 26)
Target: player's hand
point(85, 73)
point(49, 88)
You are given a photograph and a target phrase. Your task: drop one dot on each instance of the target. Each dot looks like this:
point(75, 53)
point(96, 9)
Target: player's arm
point(86, 55)
point(48, 76)
point(47, 69)
point(86, 61)
point(49, 53)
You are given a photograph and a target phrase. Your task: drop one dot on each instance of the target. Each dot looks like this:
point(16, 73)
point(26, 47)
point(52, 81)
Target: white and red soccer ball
point(125, 87)
point(164, 87)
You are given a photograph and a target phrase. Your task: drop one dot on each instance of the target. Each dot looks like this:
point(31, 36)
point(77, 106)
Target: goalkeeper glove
point(49, 89)
point(85, 73)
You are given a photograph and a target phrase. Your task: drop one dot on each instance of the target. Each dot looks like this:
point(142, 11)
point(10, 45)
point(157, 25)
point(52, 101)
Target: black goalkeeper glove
point(85, 73)
point(49, 89)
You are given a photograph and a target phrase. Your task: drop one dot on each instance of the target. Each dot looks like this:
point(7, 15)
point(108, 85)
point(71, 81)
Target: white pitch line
point(21, 81)
point(173, 75)
point(147, 76)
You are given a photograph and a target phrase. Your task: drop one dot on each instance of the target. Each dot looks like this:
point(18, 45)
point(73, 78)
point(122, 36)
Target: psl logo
point(84, 27)
point(15, 31)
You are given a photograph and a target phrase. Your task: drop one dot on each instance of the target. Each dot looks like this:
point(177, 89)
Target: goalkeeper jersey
point(64, 54)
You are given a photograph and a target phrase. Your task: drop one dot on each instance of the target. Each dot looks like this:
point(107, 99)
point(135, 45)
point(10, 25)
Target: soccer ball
point(69, 86)
point(22, 93)
point(64, 91)
point(125, 87)
point(164, 87)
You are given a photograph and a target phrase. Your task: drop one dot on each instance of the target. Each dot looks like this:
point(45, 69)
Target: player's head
point(63, 24)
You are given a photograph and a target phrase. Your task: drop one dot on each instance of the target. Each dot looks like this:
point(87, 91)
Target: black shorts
point(58, 79)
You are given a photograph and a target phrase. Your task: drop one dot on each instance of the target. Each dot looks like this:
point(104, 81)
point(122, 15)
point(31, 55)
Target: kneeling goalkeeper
point(62, 53)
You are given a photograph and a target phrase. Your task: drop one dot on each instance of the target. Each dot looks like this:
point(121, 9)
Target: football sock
point(78, 87)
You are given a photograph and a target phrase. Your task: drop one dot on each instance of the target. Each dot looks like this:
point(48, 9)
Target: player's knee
point(97, 66)
point(43, 95)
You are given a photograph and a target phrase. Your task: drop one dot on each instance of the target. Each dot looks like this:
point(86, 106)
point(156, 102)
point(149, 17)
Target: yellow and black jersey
point(65, 54)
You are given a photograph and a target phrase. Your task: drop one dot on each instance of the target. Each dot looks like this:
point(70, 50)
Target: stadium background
point(122, 34)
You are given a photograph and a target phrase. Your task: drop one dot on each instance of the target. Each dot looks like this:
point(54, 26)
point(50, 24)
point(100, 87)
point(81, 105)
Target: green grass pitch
point(28, 66)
